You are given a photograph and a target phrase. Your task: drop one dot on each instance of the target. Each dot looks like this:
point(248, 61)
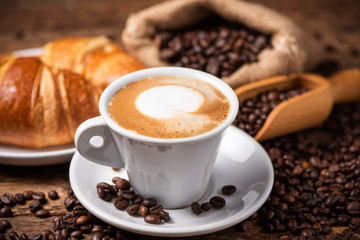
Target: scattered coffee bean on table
point(253, 112)
point(214, 45)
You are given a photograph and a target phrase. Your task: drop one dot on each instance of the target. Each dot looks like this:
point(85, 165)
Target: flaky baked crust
point(40, 105)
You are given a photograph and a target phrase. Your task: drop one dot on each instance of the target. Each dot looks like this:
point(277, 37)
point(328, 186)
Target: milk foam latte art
point(169, 107)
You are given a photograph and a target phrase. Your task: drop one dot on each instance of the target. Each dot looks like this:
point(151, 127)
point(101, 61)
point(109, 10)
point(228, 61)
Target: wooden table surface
point(27, 24)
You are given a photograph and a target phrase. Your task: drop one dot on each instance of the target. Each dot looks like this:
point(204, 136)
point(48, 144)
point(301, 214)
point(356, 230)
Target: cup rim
point(121, 82)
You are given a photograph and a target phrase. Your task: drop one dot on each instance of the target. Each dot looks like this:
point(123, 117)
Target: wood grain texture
point(28, 24)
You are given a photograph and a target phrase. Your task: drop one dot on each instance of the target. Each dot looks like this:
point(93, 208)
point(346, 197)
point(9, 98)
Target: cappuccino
point(169, 107)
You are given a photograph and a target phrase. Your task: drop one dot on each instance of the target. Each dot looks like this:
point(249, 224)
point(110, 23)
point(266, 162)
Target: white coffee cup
point(175, 171)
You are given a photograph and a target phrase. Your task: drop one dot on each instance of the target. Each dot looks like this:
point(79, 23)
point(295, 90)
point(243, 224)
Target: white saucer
point(241, 162)
point(19, 156)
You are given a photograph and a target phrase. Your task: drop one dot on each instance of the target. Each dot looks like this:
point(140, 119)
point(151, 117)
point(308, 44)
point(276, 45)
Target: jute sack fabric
point(293, 50)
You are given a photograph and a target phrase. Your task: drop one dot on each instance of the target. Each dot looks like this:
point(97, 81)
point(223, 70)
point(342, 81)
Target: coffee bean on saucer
point(196, 208)
point(153, 219)
point(144, 211)
point(120, 203)
point(105, 191)
point(156, 209)
point(133, 209)
point(149, 202)
point(206, 206)
point(228, 189)
point(122, 184)
point(128, 194)
point(165, 216)
point(217, 202)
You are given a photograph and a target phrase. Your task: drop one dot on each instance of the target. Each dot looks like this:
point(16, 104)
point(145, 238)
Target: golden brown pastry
point(97, 59)
point(42, 106)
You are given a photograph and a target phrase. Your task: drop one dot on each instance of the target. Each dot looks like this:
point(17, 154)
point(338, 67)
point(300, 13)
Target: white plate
point(12, 155)
point(241, 162)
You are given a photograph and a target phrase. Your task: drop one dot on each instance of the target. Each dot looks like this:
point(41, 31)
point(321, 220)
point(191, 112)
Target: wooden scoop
point(306, 110)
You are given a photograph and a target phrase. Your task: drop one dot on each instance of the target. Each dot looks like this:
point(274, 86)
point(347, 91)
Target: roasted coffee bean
point(39, 196)
point(23, 236)
point(19, 198)
point(53, 195)
point(82, 220)
point(149, 202)
point(2, 236)
point(98, 235)
point(156, 209)
point(138, 199)
point(76, 234)
point(196, 208)
point(58, 223)
point(13, 235)
point(6, 223)
point(79, 210)
point(6, 212)
point(206, 206)
point(2, 228)
point(217, 202)
point(122, 184)
point(36, 237)
point(354, 224)
point(120, 203)
point(165, 216)
point(35, 205)
point(28, 194)
point(216, 46)
point(133, 209)
point(86, 228)
point(128, 194)
point(42, 213)
point(228, 189)
point(8, 199)
point(153, 219)
point(144, 211)
point(105, 191)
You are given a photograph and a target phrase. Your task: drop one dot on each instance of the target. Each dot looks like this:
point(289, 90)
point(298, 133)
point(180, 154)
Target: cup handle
point(94, 141)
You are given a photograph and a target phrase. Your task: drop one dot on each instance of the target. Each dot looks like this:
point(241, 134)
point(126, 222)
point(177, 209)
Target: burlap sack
point(293, 50)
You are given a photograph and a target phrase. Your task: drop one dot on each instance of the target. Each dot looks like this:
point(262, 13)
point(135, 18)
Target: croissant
point(40, 105)
point(97, 59)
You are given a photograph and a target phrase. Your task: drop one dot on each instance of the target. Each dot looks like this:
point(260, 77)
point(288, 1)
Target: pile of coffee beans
point(215, 46)
point(124, 198)
point(317, 178)
point(216, 202)
point(253, 112)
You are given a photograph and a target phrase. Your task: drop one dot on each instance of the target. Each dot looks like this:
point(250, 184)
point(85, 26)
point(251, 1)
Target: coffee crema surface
point(169, 107)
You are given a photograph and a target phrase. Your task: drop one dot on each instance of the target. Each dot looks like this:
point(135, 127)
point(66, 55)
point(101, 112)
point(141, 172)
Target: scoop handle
point(345, 85)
